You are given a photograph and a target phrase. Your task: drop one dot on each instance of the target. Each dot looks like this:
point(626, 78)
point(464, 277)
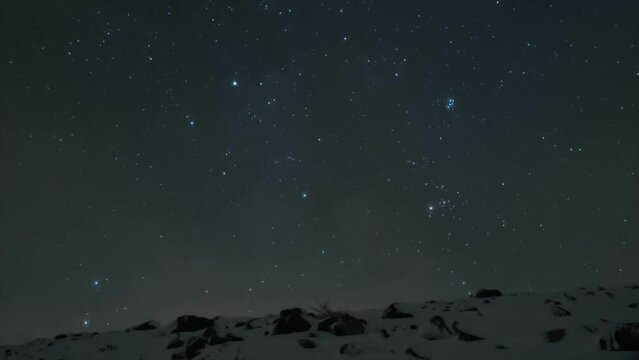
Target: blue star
point(234, 83)
point(305, 195)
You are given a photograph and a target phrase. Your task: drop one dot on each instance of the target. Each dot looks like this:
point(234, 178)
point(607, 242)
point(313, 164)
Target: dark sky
point(212, 157)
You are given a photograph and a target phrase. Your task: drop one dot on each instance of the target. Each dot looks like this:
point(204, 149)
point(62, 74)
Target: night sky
point(160, 158)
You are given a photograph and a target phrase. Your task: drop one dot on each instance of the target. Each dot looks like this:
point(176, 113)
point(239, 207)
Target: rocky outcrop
point(149, 325)
point(624, 337)
point(392, 312)
point(553, 336)
point(187, 323)
point(342, 324)
point(487, 293)
point(291, 321)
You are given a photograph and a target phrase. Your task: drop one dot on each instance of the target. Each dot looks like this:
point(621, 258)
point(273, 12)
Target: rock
point(342, 325)
point(632, 306)
point(442, 332)
point(349, 349)
point(553, 336)
point(193, 347)
point(177, 357)
point(622, 338)
point(290, 321)
point(306, 343)
point(385, 334)
point(414, 354)
point(464, 336)
point(149, 325)
point(500, 347)
point(211, 337)
point(392, 312)
point(187, 323)
point(60, 336)
point(570, 297)
point(559, 311)
point(485, 293)
point(175, 343)
point(470, 309)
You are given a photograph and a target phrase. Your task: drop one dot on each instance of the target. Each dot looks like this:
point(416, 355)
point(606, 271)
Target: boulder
point(414, 354)
point(291, 321)
point(486, 293)
point(392, 312)
point(342, 324)
point(306, 343)
point(350, 349)
point(441, 331)
point(187, 323)
point(464, 336)
point(193, 347)
point(211, 337)
point(559, 311)
point(175, 343)
point(149, 325)
point(624, 337)
point(553, 336)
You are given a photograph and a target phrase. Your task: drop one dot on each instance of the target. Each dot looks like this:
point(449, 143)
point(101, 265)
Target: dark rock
point(554, 336)
point(61, 336)
point(306, 343)
point(591, 293)
point(187, 323)
point(385, 334)
point(500, 347)
point(622, 338)
point(486, 301)
point(441, 324)
point(486, 293)
point(633, 305)
point(177, 357)
point(193, 347)
point(240, 323)
point(175, 343)
point(414, 354)
point(609, 294)
point(413, 327)
point(349, 349)
point(149, 325)
point(343, 324)
point(291, 321)
point(392, 312)
point(559, 311)
point(570, 297)
point(212, 338)
point(632, 287)
point(464, 336)
point(470, 309)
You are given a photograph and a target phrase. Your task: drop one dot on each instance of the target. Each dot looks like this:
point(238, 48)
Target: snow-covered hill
point(580, 324)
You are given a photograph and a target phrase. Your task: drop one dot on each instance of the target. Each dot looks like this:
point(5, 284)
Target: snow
point(511, 326)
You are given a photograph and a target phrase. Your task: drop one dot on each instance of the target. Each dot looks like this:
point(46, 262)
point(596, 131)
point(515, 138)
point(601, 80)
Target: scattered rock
point(306, 344)
point(570, 297)
point(553, 336)
point(187, 323)
point(443, 331)
point(609, 294)
point(622, 338)
point(414, 354)
point(413, 327)
point(464, 336)
point(559, 311)
point(486, 293)
point(392, 312)
point(291, 321)
point(470, 309)
point(60, 336)
point(343, 324)
point(500, 347)
point(633, 305)
point(385, 334)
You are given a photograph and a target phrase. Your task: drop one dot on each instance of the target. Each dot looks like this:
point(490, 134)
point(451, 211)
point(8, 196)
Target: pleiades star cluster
point(160, 158)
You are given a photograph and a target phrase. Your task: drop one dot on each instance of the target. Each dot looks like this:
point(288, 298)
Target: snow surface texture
point(581, 324)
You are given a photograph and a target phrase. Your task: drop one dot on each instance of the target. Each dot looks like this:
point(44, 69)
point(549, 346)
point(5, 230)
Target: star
point(305, 195)
point(234, 83)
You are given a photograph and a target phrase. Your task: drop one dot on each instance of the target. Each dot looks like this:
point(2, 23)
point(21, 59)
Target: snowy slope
point(579, 324)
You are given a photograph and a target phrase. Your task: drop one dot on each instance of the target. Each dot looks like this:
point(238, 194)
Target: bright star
point(305, 195)
point(234, 83)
